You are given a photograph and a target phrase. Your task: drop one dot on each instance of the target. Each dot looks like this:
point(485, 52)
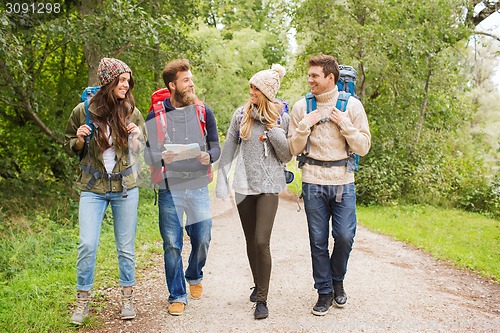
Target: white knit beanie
point(268, 80)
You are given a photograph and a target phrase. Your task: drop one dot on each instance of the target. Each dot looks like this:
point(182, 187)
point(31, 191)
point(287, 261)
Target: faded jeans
point(172, 205)
point(91, 213)
point(321, 207)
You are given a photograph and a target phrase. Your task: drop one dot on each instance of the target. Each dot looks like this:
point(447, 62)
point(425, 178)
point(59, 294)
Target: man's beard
point(186, 97)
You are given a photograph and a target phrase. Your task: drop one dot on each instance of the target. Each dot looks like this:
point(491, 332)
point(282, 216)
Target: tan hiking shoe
point(82, 308)
point(196, 290)
point(128, 311)
point(176, 308)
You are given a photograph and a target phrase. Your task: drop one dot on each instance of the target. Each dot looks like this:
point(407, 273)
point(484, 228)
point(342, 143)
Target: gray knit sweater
point(256, 171)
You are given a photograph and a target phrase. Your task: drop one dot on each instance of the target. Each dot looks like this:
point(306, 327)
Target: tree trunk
point(92, 54)
point(423, 106)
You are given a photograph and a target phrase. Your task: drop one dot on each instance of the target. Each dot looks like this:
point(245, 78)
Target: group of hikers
point(179, 140)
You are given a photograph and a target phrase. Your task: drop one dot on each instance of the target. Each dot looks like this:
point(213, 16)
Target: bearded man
point(183, 185)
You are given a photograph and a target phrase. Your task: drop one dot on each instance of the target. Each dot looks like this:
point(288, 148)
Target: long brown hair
point(112, 111)
point(267, 109)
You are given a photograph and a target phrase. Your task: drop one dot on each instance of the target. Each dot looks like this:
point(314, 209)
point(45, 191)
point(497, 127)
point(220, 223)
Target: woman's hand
point(81, 133)
point(134, 130)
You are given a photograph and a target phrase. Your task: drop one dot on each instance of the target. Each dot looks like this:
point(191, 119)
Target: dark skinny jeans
point(257, 213)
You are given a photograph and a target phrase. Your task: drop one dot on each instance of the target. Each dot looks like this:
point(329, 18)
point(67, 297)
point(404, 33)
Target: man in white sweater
point(328, 176)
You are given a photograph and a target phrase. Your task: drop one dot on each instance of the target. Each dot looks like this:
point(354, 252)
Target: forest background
point(425, 77)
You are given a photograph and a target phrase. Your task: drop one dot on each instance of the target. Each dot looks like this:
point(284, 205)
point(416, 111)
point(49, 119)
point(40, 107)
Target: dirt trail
point(391, 288)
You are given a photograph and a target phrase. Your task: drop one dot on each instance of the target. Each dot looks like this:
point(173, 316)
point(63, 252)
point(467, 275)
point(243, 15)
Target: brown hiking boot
point(176, 308)
point(196, 290)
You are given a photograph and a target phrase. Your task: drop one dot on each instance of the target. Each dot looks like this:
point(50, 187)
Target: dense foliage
point(414, 85)
point(414, 77)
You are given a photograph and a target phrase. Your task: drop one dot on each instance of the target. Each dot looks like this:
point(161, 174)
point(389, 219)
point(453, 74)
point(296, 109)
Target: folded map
point(183, 152)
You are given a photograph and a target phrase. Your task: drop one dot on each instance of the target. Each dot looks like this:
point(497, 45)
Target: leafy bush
point(479, 195)
point(32, 197)
point(379, 180)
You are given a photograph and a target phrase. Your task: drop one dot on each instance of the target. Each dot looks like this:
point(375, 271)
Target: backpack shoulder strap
point(241, 111)
point(87, 95)
point(161, 121)
point(310, 102)
point(342, 101)
point(284, 109)
point(353, 161)
point(201, 113)
point(88, 121)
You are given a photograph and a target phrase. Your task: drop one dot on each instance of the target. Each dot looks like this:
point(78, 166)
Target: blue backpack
point(347, 88)
point(347, 80)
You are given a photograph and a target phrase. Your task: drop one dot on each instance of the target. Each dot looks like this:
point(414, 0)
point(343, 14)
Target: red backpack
point(157, 98)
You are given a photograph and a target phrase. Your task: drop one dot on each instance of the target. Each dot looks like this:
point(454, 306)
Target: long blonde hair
point(267, 109)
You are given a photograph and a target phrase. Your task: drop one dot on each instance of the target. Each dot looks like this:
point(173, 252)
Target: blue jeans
point(321, 206)
point(172, 205)
point(91, 212)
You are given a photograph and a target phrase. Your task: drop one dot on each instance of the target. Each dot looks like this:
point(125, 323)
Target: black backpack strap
point(325, 164)
point(96, 174)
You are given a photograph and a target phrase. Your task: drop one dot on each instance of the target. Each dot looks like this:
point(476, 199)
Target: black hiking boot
point(253, 295)
point(339, 294)
point(324, 303)
point(261, 311)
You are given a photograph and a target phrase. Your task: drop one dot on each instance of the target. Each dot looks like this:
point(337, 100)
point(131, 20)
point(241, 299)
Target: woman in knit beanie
point(259, 129)
point(108, 148)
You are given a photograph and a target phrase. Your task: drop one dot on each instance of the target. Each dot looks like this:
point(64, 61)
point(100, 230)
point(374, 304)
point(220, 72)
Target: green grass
point(37, 276)
point(38, 268)
point(467, 240)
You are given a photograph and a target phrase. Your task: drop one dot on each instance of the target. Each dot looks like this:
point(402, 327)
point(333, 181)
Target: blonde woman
point(259, 130)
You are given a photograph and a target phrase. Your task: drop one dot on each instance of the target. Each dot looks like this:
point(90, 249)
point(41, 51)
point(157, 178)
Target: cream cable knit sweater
point(328, 140)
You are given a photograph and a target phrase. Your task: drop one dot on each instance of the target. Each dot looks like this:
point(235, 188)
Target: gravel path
point(391, 288)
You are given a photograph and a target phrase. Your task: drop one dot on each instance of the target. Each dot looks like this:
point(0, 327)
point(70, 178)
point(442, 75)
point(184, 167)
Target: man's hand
point(312, 118)
point(336, 116)
point(167, 156)
point(204, 158)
